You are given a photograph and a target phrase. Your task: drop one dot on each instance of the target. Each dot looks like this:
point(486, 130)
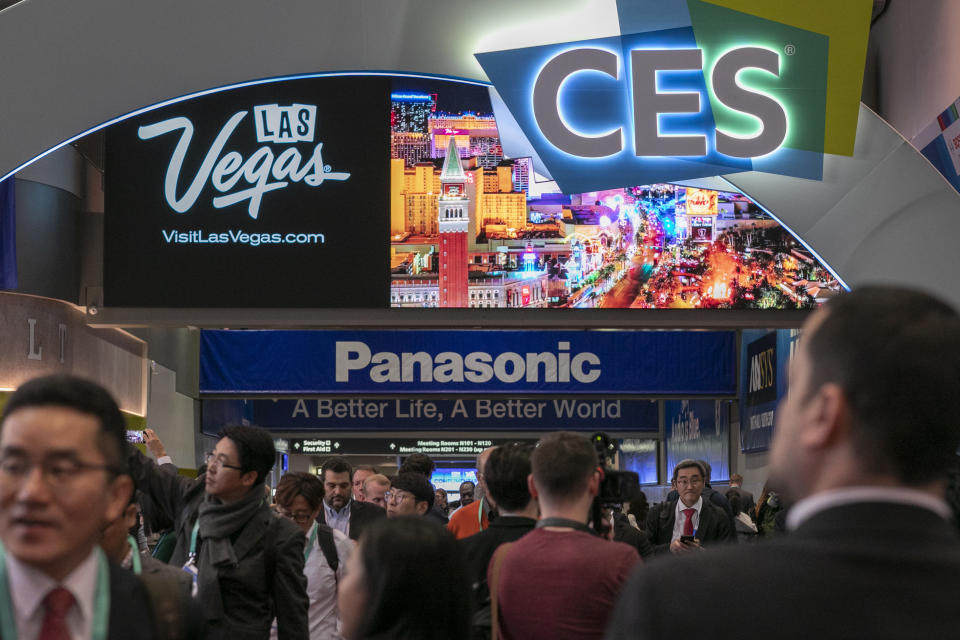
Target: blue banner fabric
point(475, 362)
point(764, 358)
point(698, 429)
point(8, 235)
point(410, 413)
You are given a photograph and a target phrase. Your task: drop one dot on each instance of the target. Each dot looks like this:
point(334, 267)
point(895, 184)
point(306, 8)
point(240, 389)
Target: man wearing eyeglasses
point(299, 496)
point(410, 495)
point(62, 479)
point(247, 564)
point(687, 524)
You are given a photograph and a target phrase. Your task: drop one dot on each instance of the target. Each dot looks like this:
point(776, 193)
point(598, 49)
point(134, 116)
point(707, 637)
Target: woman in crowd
point(441, 501)
point(406, 580)
point(768, 506)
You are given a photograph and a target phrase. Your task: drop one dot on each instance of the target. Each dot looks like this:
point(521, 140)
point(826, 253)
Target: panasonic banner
point(244, 363)
point(271, 194)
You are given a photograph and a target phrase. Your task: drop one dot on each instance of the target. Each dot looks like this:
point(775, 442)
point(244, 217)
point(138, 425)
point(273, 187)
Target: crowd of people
point(854, 536)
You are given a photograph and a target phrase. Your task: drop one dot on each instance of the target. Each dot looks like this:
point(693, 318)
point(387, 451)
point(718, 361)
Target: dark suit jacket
point(623, 531)
point(150, 566)
point(479, 548)
point(361, 515)
point(869, 570)
point(251, 597)
point(714, 525)
point(130, 613)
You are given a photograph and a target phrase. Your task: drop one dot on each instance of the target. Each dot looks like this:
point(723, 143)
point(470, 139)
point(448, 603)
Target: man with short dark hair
point(410, 495)
point(560, 580)
point(340, 511)
point(424, 465)
point(418, 463)
point(247, 563)
point(506, 473)
point(689, 522)
point(63, 479)
point(861, 445)
point(747, 502)
point(465, 492)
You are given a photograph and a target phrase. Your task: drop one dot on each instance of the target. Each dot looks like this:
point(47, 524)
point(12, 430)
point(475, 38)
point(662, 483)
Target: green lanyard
point(310, 542)
point(101, 601)
point(135, 554)
point(193, 539)
point(480, 515)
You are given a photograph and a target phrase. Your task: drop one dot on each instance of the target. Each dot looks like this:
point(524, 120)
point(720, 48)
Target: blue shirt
point(339, 520)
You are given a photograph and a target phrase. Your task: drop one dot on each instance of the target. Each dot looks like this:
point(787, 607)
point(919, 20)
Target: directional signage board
point(396, 446)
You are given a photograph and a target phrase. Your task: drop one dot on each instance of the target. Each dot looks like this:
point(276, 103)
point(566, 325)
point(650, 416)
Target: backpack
point(324, 538)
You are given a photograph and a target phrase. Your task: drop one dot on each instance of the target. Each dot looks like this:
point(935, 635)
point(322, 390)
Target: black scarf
point(218, 522)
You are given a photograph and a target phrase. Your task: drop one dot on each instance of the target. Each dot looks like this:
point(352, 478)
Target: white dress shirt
point(680, 518)
point(818, 502)
point(323, 617)
point(29, 587)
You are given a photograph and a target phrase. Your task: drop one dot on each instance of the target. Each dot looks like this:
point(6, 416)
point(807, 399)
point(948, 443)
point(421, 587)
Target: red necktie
point(688, 523)
point(57, 603)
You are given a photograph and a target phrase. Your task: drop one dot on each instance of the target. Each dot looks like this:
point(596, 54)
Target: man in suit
point(862, 443)
point(709, 494)
point(340, 511)
point(62, 479)
point(746, 498)
point(247, 561)
point(687, 524)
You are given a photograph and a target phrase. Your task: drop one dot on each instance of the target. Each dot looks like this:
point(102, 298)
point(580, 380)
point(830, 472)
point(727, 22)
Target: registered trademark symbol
point(789, 49)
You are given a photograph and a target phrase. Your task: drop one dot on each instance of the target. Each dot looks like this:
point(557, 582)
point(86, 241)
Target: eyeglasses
point(214, 460)
point(296, 516)
point(395, 497)
point(683, 482)
point(57, 472)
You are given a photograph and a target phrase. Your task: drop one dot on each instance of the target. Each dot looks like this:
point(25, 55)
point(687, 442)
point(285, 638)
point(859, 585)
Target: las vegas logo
point(242, 179)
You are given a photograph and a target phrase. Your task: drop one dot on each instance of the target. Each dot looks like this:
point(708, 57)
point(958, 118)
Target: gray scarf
point(218, 522)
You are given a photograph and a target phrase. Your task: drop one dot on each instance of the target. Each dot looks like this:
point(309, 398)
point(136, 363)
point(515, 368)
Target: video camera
point(616, 487)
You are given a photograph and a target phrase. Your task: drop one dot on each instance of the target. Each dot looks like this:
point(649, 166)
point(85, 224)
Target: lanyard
point(101, 601)
point(193, 538)
point(310, 542)
point(135, 554)
point(565, 523)
point(480, 515)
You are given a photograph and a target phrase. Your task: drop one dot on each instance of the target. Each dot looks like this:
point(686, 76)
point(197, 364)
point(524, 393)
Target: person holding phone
point(688, 523)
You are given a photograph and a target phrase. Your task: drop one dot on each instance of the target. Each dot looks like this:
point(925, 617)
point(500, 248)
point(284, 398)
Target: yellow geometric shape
point(847, 24)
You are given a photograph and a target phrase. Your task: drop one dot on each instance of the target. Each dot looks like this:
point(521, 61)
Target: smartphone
point(686, 539)
point(134, 436)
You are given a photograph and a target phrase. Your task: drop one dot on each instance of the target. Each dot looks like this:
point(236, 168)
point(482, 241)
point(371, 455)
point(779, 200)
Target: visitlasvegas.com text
point(197, 236)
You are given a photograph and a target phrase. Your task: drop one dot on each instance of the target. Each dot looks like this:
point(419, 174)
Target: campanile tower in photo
point(454, 223)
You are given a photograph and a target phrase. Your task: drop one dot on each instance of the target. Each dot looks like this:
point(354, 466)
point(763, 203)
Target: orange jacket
point(465, 522)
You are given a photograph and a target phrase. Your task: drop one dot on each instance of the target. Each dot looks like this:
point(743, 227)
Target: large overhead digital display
point(356, 191)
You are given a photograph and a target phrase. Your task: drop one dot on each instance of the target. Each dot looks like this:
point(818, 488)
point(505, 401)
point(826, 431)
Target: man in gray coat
point(247, 563)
